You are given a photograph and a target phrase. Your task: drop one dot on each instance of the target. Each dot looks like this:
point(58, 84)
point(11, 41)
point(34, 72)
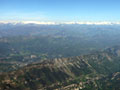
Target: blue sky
point(60, 10)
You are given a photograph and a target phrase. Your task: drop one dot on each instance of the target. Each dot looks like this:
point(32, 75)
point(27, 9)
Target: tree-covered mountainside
point(96, 71)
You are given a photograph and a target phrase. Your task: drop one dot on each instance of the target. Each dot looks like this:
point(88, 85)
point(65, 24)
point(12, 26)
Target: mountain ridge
point(58, 23)
point(52, 74)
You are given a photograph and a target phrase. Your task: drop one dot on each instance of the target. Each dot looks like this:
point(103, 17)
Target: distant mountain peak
point(55, 23)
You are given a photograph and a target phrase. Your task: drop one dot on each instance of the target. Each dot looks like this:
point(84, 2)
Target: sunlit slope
point(65, 71)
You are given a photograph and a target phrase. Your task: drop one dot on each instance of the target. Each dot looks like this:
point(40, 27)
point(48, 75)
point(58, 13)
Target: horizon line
point(68, 22)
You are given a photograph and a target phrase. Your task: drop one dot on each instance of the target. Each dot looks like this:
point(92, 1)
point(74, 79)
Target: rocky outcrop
point(64, 72)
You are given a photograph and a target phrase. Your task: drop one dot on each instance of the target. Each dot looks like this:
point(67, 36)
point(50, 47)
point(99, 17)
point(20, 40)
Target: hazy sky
point(60, 10)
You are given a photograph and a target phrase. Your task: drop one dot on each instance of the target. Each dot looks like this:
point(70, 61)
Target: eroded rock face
point(64, 72)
